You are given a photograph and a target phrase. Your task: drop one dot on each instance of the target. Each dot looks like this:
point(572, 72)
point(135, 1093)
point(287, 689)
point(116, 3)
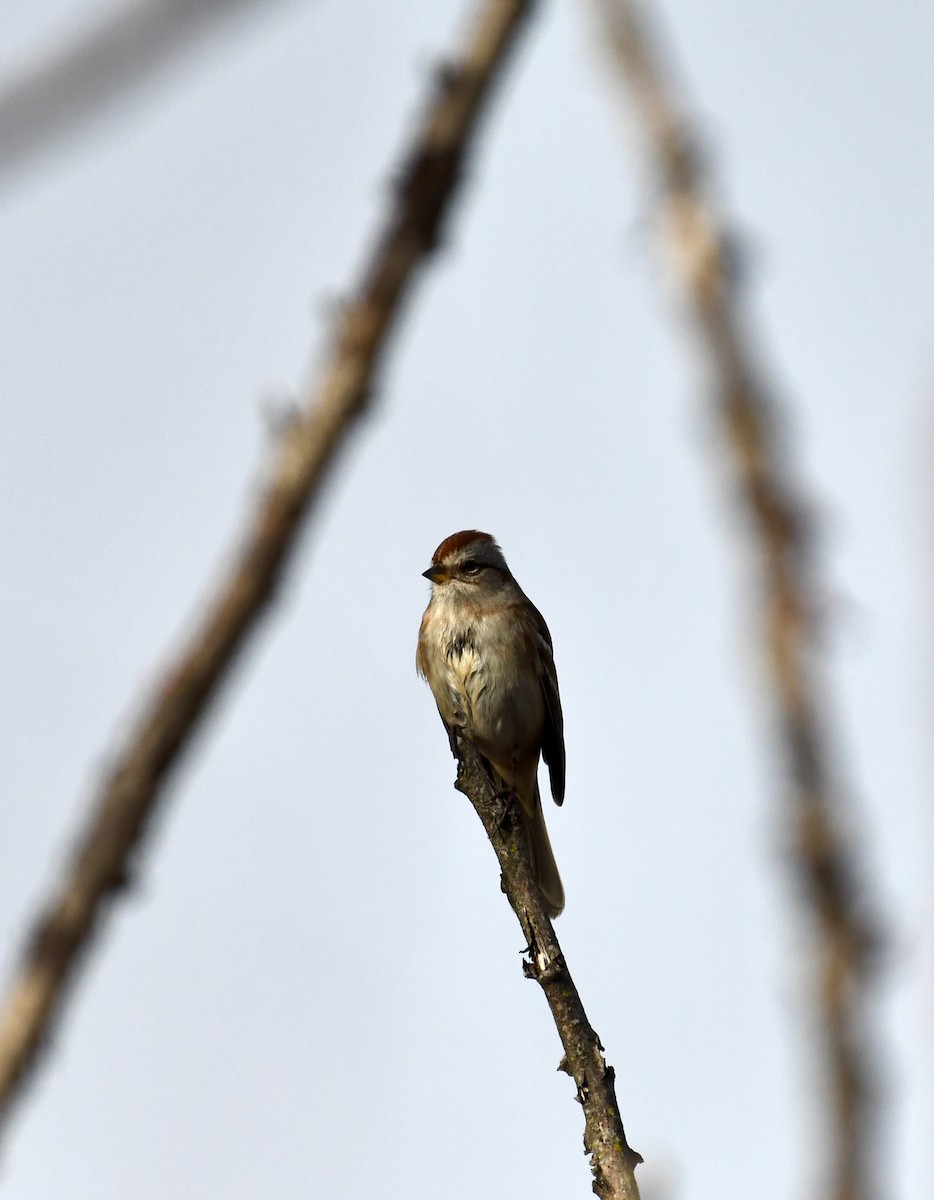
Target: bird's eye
point(470, 567)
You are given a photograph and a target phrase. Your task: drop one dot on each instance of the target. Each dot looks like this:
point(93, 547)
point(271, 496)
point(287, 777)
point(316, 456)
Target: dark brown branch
point(612, 1161)
point(102, 861)
point(701, 251)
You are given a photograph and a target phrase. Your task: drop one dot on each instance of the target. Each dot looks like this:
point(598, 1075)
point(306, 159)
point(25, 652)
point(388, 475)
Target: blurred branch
point(701, 252)
point(113, 54)
point(612, 1160)
point(102, 860)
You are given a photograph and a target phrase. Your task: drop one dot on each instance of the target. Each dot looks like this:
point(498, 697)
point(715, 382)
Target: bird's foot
point(509, 800)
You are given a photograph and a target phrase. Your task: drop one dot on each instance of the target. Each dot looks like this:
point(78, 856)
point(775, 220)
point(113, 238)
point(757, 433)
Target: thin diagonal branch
point(612, 1160)
point(119, 49)
point(700, 249)
point(102, 860)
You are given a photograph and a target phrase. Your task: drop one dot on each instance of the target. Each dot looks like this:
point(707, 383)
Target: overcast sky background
point(315, 989)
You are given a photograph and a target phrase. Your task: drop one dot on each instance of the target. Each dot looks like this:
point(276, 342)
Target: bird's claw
point(508, 798)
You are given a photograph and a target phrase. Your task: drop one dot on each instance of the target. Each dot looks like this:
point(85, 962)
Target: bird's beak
point(437, 574)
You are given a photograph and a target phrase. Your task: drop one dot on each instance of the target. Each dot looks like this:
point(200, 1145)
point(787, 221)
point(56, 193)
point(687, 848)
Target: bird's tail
point(544, 867)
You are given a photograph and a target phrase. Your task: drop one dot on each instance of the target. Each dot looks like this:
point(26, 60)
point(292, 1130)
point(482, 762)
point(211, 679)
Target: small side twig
point(612, 1160)
point(701, 252)
point(102, 859)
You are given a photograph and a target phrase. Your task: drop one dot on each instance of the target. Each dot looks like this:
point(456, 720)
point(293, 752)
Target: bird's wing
point(553, 736)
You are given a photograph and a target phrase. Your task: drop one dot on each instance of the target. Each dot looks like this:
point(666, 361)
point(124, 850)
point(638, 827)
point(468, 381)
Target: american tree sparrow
point(486, 652)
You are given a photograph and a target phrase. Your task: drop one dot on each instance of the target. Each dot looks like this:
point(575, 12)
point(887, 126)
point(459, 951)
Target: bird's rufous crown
point(457, 541)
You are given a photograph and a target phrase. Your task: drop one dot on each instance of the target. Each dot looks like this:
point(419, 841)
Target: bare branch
point(701, 251)
point(120, 49)
point(102, 861)
point(612, 1160)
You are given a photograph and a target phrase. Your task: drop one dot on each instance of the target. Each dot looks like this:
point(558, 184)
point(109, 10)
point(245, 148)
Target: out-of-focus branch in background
point(700, 252)
point(102, 861)
point(612, 1160)
point(61, 88)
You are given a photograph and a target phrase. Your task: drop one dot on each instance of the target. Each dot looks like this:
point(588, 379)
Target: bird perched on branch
point(486, 652)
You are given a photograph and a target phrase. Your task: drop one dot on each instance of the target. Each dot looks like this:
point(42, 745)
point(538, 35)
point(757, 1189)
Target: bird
point(486, 653)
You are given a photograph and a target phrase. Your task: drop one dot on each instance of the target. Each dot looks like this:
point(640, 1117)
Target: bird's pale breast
point(485, 678)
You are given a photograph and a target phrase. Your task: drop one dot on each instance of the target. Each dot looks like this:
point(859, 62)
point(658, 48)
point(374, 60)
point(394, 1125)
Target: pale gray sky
point(318, 916)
